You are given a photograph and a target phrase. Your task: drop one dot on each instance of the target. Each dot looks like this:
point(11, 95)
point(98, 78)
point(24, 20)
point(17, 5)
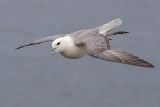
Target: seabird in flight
point(93, 42)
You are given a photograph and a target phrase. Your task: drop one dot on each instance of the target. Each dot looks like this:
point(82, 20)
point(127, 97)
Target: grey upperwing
point(104, 30)
point(98, 47)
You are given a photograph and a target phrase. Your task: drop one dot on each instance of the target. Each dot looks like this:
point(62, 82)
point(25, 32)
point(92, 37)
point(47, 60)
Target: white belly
point(74, 52)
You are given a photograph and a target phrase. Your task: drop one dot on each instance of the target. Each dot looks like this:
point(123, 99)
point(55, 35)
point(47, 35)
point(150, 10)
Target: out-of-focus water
point(31, 77)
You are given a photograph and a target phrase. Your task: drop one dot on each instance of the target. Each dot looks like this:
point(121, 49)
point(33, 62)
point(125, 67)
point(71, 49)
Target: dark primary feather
point(115, 33)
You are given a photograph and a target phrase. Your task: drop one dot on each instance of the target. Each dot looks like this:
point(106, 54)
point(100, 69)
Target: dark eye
point(58, 43)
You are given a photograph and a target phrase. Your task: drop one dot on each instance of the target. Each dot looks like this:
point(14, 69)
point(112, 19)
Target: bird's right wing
point(103, 30)
point(108, 27)
point(46, 39)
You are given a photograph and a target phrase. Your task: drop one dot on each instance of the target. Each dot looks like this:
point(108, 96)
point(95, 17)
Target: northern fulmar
point(93, 42)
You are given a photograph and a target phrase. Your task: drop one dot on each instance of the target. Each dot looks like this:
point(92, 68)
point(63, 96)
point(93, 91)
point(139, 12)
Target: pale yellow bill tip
point(53, 52)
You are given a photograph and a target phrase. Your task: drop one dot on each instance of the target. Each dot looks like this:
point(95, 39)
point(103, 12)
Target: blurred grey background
point(31, 77)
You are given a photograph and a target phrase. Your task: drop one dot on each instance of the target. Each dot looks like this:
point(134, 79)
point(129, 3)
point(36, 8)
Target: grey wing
point(46, 39)
point(98, 47)
point(104, 30)
point(108, 27)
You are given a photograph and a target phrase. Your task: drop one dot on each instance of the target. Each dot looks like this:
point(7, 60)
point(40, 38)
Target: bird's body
point(93, 42)
point(72, 51)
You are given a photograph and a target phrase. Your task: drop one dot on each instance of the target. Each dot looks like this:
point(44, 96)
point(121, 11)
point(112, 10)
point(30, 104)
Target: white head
point(60, 45)
point(65, 46)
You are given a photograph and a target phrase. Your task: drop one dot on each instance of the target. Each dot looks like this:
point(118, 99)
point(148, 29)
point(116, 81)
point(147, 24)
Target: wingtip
point(19, 47)
point(25, 45)
point(118, 20)
point(148, 65)
point(151, 66)
point(16, 48)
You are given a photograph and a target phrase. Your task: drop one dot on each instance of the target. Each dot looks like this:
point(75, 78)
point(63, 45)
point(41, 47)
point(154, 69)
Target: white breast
point(72, 51)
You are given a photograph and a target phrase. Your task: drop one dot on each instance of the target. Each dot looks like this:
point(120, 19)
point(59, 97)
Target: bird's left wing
point(46, 39)
point(98, 47)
